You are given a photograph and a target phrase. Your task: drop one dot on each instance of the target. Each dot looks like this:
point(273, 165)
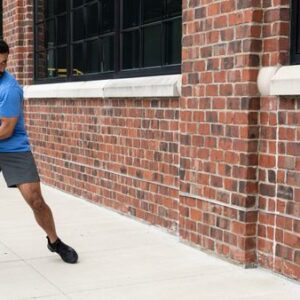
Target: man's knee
point(36, 201)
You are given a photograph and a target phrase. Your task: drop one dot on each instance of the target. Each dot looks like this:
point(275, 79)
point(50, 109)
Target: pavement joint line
point(146, 282)
point(49, 281)
point(27, 262)
point(43, 297)
point(138, 283)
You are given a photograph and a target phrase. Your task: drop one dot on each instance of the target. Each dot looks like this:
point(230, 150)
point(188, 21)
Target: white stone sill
point(279, 80)
point(152, 86)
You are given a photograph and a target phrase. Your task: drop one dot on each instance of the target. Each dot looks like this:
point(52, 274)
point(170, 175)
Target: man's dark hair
point(3, 47)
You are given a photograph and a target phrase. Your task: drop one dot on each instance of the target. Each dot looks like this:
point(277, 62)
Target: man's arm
point(7, 127)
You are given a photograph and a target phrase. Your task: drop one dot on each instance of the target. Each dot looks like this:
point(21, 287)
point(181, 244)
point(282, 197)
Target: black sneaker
point(67, 253)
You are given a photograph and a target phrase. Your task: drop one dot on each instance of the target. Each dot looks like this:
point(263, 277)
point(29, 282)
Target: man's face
point(3, 62)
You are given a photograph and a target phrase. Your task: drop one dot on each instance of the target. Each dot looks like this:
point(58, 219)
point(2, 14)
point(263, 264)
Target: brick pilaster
point(18, 33)
point(219, 126)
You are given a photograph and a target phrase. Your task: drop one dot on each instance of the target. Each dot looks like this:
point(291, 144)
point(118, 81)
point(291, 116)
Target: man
point(16, 160)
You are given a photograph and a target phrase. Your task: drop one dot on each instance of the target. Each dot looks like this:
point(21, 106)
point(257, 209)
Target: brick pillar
point(18, 33)
point(279, 160)
point(219, 126)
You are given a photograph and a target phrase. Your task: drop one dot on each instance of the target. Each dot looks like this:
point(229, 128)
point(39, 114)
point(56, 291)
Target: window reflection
point(78, 61)
point(173, 42)
point(93, 64)
point(108, 54)
point(107, 16)
point(131, 50)
point(92, 19)
point(131, 13)
point(78, 25)
point(152, 46)
point(152, 10)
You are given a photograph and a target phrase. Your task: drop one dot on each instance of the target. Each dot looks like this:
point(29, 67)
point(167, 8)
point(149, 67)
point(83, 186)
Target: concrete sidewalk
point(119, 259)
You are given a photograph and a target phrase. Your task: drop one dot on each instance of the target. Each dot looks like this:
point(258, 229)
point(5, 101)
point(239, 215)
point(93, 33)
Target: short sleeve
point(10, 103)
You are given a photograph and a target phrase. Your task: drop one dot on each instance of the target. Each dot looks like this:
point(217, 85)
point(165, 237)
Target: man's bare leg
point(43, 215)
point(31, 192)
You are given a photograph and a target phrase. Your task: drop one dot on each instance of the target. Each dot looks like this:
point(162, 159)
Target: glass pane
point(61, 6)
point(152, 46)
point(49, 8)
point(131, 50)
point(108, 16)
point(297, 8)
point(50, 33)
point(92, 19)
point(152, 10)
point(131, 12)
point(78, 25)
point(61, 31)
point(41, 65)
point(78, 59)
point(108, 53)
point(174, 7)
point(173, 42)
point(93, 61)
point(77, 3)
point(51, 63)
point(61, 62)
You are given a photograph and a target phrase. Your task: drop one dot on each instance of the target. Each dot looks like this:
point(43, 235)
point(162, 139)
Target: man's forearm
point(7, 127)
point(5, 132)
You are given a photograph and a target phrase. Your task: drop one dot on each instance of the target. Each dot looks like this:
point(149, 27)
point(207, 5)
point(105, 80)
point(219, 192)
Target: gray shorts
point(18, 168)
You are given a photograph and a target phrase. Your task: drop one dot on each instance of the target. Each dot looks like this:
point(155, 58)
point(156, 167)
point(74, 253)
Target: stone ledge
point(279, 80)
point(152, 86)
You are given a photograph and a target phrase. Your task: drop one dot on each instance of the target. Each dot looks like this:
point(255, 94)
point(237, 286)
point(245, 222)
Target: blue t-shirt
point(11, 106)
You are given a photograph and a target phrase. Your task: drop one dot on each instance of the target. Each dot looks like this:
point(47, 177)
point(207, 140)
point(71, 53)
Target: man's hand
point(7, 127)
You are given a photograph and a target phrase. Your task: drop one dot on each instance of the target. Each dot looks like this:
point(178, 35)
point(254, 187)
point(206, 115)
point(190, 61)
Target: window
point(295, 32)
point(88, 39)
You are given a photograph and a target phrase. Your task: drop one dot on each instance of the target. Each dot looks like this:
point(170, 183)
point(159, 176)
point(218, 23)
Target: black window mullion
point(295, 33)
point(118, 56)
point(111, 40)
point(71, 38)
point(55, 45)
point(164, 34)
point(163, 42)
point(84, 43)
point(68, 29)
point(84, 53)
point(141, 37)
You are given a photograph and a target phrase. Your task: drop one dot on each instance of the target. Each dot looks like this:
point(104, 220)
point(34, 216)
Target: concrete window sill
point(152, 86)
point(279, 81)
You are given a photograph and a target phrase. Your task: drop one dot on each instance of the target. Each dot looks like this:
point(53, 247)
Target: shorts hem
point(15, 184)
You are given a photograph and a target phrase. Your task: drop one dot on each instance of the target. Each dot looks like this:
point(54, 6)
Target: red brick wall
point(219, 126)
point(18, 33)
point(279, 207)
point(219, 166)
point(279, 176)
point(119, 153)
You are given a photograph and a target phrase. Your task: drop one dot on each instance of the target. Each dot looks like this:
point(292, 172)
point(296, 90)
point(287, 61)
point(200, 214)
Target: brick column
point(18, 33)
point(219, 126)
point(279, 168)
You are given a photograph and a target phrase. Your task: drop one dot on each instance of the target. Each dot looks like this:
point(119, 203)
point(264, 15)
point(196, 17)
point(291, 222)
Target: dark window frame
point(118, 71)
point(295, 33)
